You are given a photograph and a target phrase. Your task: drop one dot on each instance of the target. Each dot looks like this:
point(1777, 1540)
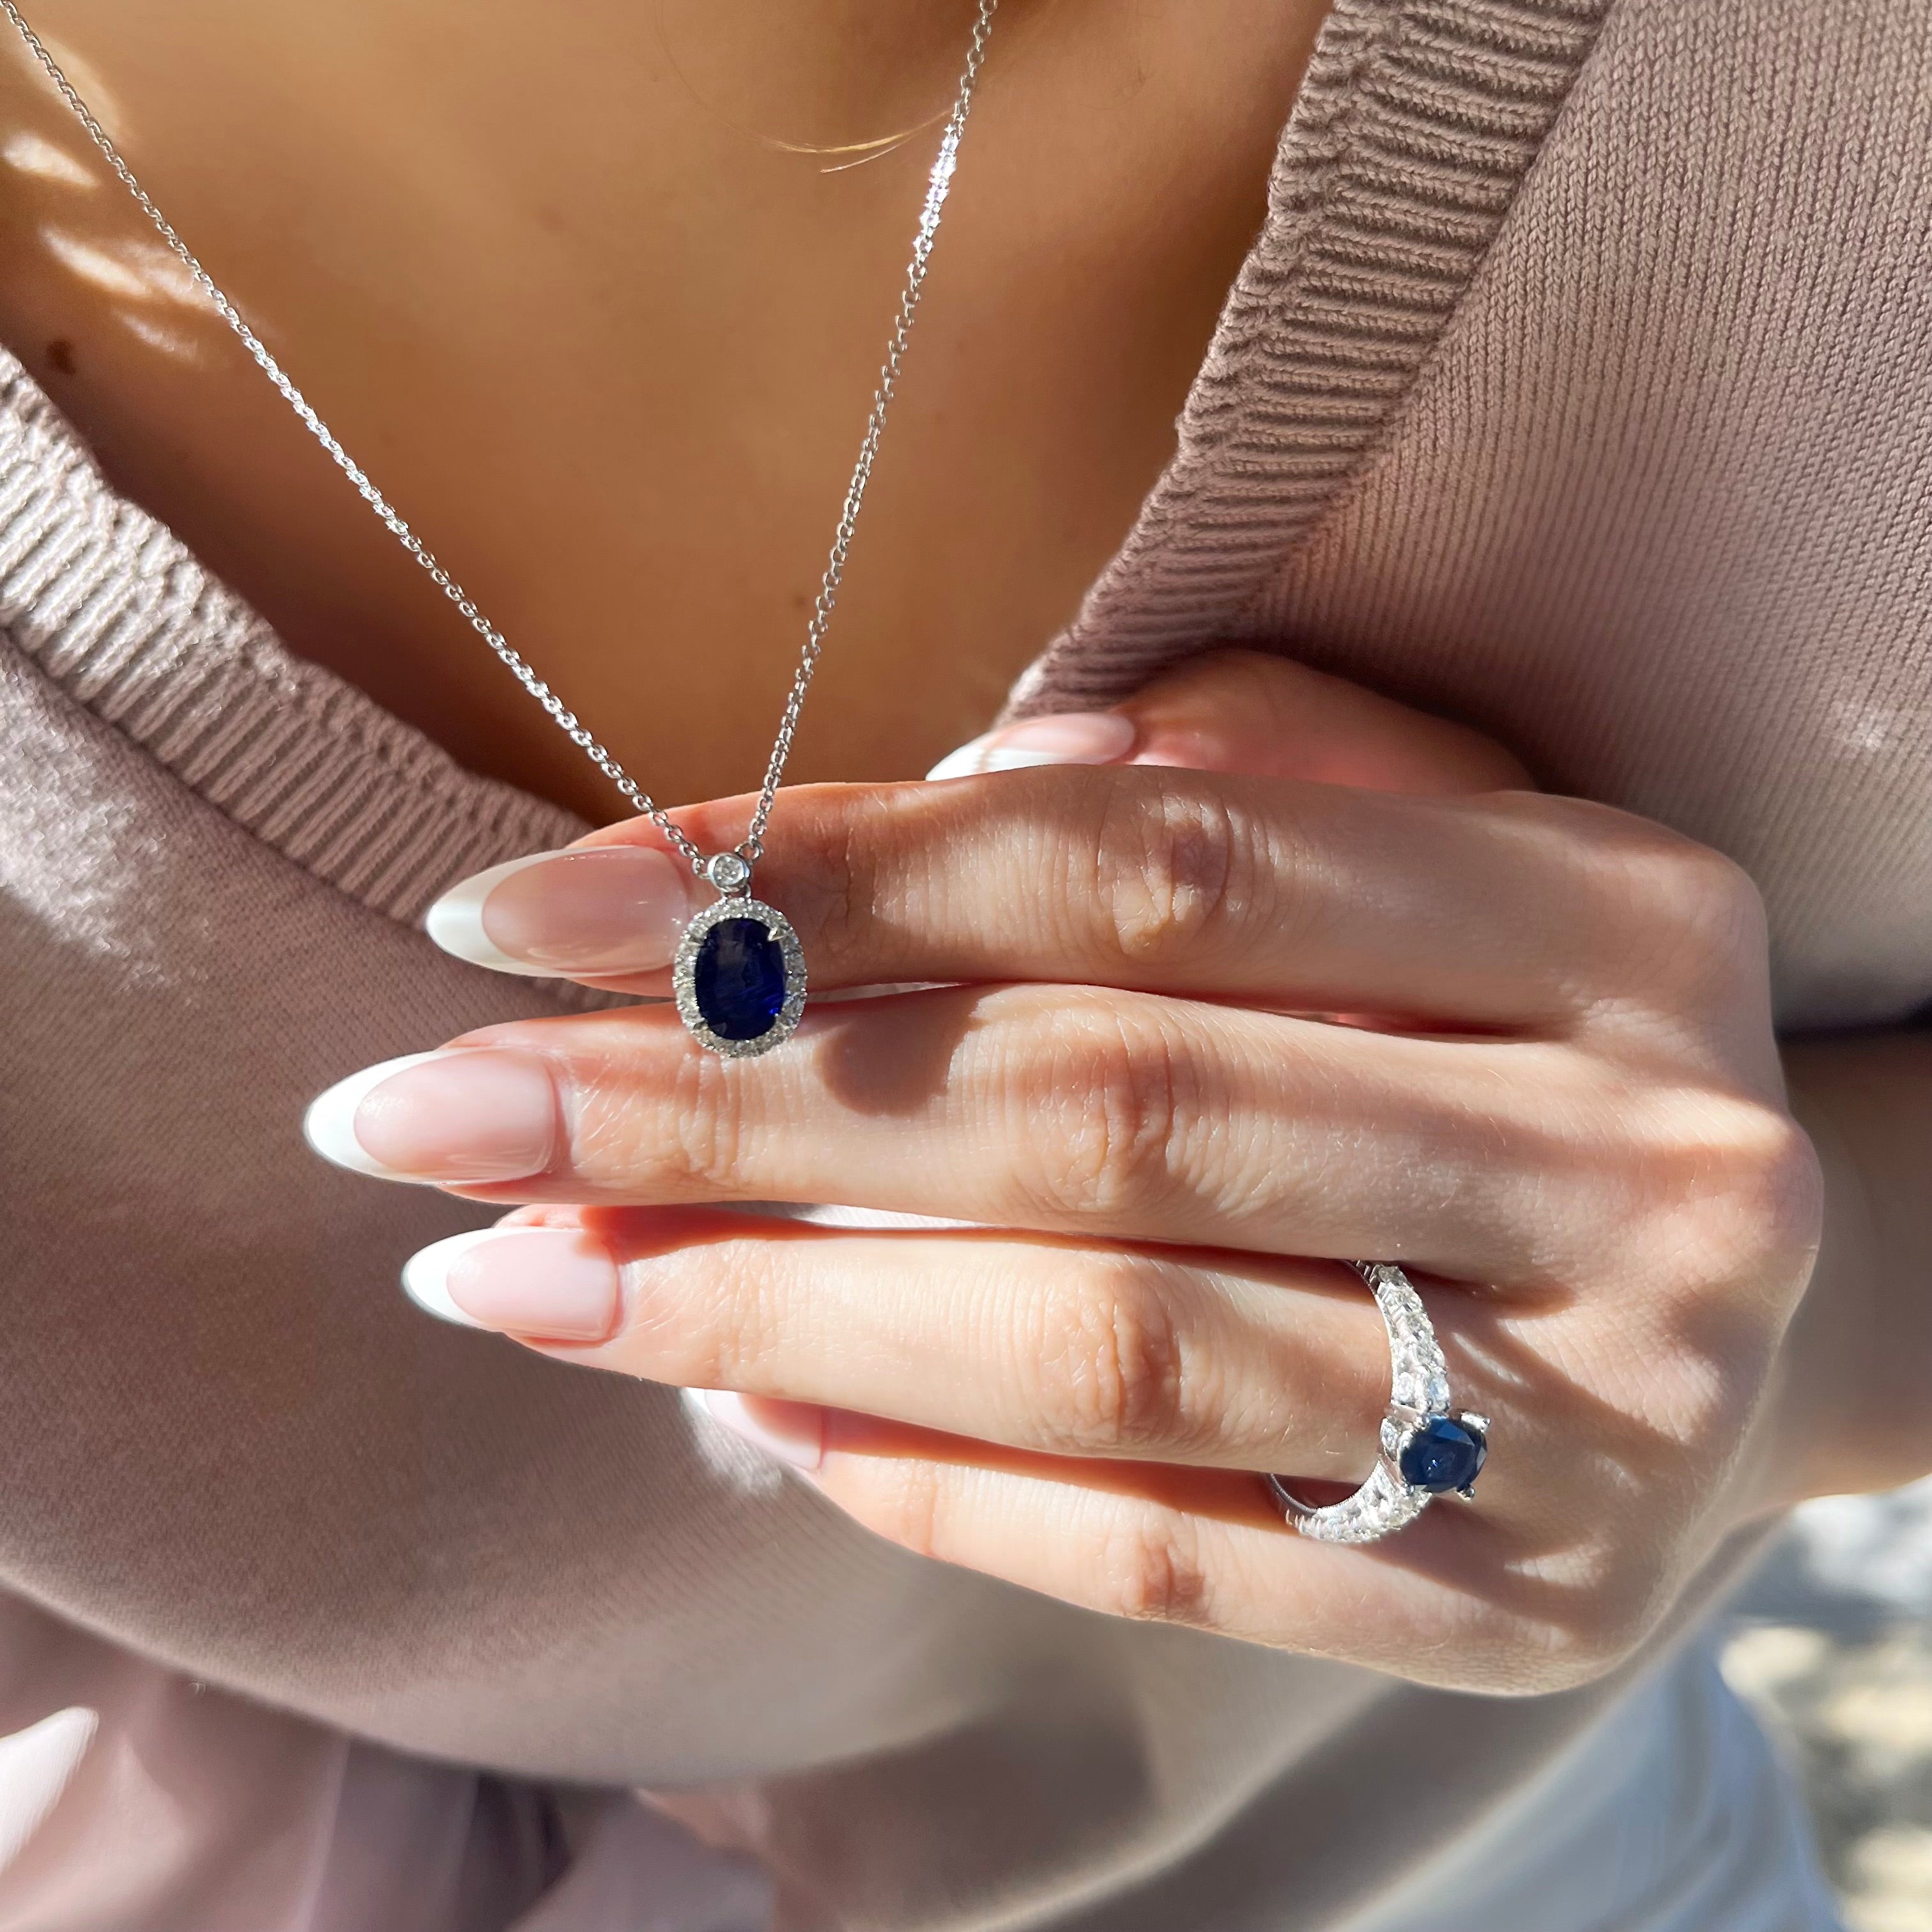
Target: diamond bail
point(729, 871)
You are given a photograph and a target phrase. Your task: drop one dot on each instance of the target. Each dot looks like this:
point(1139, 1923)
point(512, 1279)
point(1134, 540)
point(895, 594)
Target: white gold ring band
point(1428, 1450)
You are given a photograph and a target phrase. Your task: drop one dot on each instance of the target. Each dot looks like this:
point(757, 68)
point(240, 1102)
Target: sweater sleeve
point(132, 1795)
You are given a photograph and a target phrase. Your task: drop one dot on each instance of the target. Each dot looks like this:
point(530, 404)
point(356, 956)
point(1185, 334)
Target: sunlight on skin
point(34, 154)
point(102, 102)
point(381, 130)
point(100, 266)
point(137, 271)
point(158, 335)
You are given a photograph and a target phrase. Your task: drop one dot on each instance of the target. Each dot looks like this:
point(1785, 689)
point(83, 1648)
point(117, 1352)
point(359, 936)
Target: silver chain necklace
point(739, 976)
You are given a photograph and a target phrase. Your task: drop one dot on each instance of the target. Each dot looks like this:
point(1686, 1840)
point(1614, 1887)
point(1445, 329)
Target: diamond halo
point(684, 977)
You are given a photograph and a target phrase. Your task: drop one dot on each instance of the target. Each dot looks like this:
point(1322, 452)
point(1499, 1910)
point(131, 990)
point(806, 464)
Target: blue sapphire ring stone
point(1428, 1450)
point(1443, 1454)
point(739, 975)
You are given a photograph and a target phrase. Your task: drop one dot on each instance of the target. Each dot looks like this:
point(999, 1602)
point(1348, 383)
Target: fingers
point(1476, 912)
point(1112, 1116)
point(990, 1414)
point(968, 1365)
point(612, 908)
point(1063, 1348)
point(1310, 897)
point(1205, 1549)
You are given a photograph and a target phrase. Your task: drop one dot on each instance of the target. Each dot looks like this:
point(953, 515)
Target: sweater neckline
point(1415, 126)
point(111, 606)
point(1416, 121)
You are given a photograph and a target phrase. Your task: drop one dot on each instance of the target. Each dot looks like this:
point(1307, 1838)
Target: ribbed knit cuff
point(113, 609)
point(1416, 124)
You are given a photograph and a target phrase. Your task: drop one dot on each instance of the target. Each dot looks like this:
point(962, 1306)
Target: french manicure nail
point(611, 909)
point(468, 1115)
point(793, 1431)
point(558, 1284)
point(1072, 738)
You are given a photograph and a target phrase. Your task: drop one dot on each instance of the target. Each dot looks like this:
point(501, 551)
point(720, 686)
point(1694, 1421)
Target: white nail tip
point(329, 1125)
point(1076, 739)
point(969, 760)
point(455, 922)
point(426, 1275)
point(727, 1409)
point(1019, 758)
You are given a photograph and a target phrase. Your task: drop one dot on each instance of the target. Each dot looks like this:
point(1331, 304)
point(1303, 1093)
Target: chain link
point(752, 848)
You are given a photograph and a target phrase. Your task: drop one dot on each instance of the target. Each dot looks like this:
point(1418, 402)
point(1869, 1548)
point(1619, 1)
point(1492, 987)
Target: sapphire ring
point(1428, 1449)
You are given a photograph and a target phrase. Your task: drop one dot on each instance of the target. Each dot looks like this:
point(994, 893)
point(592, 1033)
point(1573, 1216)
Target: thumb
point(1243, 711)
point(1264, 716)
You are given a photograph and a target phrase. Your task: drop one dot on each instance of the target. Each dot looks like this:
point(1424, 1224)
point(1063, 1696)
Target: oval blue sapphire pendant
point(739, 973)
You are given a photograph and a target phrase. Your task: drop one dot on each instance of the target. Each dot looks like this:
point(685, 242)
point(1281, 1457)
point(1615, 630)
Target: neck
point(844, 79)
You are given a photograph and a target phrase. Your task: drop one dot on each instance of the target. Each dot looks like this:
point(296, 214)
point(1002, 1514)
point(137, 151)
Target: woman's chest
point(566, 288)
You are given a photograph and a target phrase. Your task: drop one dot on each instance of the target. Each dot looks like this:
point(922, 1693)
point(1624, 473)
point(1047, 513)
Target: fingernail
point(793, 1431)
point(1073, 738)
point(469, 1115)
point(556, 1283)
point(612, 909)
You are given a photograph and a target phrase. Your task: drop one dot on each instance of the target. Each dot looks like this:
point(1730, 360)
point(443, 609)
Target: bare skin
point(610, 352)
point(609, 349)
point(1560, 1098)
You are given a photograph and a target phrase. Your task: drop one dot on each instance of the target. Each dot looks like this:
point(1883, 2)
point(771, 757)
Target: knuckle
point(1172, 865)
point(909, 1502)
point(696, 1141)
point(839, 870)
point(908, 1507)
point(1150, 1569)
point(696, 1317)
point(1100, 1107)
point(1582, 1619)
point(1602, 1635)
point(1110, 1366)
point(1726, 1191)
point(1778, 1185)
point(1709, 885)
point(1614, 1620)
point(1719, 914)
point(1678, 912)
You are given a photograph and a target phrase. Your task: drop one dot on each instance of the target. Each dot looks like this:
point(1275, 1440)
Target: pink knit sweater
point(1580, 386)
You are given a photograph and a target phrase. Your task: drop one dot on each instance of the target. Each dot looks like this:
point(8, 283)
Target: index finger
point(1484, 911)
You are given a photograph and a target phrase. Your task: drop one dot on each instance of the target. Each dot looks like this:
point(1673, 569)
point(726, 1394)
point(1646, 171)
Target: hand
point(1557, 1101)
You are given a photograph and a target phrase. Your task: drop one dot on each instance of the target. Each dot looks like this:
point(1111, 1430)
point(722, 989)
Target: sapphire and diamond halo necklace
point(739, 976)
point(739, 973)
